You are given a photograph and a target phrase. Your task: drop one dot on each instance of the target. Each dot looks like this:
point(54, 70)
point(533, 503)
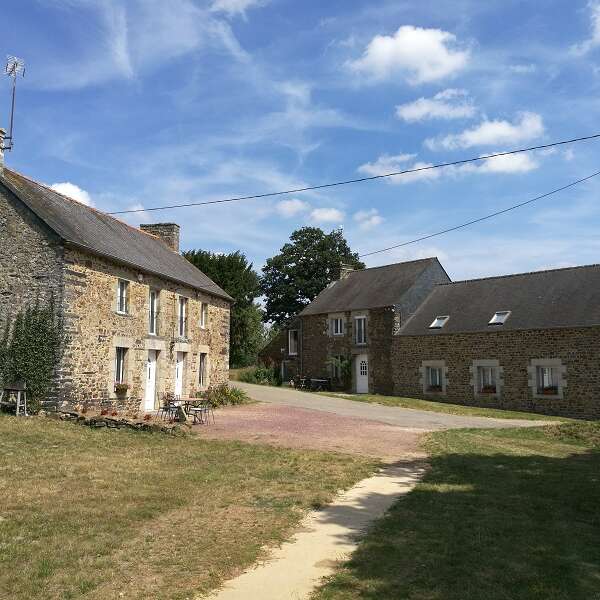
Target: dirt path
point(325, 537)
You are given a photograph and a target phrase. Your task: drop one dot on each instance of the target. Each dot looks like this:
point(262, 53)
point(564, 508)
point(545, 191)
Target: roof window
point(499, 317)
point(439, 322)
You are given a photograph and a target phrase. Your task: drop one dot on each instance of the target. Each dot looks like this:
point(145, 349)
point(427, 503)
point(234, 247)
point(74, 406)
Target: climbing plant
point(30, 349)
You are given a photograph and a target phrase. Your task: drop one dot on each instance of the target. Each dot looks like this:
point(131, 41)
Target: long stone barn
point(526, 342)
point(139, 319)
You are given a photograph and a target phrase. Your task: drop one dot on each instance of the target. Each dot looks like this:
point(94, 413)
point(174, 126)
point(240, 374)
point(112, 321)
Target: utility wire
point(494, 214)
point(359, 180)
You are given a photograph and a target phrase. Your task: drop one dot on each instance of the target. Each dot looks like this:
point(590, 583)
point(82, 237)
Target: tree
point(236, 276)
point(302, 269)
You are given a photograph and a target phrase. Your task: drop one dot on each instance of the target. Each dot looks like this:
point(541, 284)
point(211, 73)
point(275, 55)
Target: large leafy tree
point(304, 266)
point(236, 276)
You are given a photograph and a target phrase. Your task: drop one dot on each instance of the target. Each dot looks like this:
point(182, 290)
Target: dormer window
point(439, 322)
point(499, 317)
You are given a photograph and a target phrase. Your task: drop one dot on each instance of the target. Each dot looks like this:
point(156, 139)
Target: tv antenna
point(14, 68)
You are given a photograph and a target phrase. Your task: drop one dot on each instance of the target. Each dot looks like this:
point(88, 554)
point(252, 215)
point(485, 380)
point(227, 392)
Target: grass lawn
point(508, 514)
point(100, 513)
point(443, 407)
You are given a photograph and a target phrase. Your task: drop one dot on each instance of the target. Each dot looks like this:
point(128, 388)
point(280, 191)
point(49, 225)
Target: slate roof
point(369, 288)
point(99, 233)
point(540, 300)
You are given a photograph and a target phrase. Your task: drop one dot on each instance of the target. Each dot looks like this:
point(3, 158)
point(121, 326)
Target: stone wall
point(31, 259)
point(577, 349)
point(95, 329)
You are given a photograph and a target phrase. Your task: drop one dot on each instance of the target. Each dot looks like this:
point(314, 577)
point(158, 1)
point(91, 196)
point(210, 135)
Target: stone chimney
point(167, 232)
point(2, 136)
point(345, 270)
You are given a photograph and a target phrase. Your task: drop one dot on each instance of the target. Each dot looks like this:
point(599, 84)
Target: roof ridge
point(92, 208)
point(406, 262)
point(540, 272)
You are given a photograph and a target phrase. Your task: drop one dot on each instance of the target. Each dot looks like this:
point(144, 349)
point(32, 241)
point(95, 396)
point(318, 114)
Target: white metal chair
point(18, 389)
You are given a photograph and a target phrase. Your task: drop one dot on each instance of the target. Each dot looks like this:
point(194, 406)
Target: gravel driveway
point(400, 417)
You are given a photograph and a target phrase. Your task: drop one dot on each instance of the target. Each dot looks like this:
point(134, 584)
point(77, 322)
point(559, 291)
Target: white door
point(362, 373)
point(179, 373)
point(150, 380)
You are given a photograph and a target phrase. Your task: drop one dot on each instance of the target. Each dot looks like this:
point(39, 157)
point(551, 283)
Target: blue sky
point(139, 103)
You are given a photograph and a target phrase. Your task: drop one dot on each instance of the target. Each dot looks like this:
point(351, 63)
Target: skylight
point(499, 317)
point(439, 322)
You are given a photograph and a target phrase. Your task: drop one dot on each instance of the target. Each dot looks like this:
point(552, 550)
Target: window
point(203, 314)
point(153, 313)
point(486, 380)
point(439, 322)
point(336, 367)
point(182, 316)
point(122, 296)
point(202, 369)
point(293, 341)
point(360, 328)
point(363, 368)
point(337, 326)
point(499, 317)
point(434, 379)
point(120, 353)
point(547, 380)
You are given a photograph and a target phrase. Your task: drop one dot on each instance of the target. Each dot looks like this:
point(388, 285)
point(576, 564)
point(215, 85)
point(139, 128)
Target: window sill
point(123, 314)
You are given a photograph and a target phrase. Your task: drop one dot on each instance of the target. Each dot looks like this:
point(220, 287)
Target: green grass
point(99, 513)
point(509, 514)
point(443, 407)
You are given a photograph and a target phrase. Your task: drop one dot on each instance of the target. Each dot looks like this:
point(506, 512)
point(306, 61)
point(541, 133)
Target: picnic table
point(320, 384)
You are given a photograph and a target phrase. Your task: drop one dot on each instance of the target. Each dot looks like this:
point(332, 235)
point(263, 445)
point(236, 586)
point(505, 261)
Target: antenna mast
point(14, 67)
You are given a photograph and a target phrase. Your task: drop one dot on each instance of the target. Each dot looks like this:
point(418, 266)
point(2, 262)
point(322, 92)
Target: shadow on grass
point(478, 526)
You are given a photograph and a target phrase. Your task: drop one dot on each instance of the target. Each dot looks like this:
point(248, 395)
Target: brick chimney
point(2, 136)
point(167, 232)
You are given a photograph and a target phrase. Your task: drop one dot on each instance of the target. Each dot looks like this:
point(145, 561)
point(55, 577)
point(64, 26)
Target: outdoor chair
point(169, 407)
point(19, 391)
point(202, 413)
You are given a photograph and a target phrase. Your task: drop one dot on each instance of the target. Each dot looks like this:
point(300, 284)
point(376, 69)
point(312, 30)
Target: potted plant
point(550, 390)
point(121, 388)
point(488, 389)
point(435, 388)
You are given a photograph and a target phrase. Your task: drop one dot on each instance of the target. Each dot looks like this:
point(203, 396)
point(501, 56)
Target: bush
point(222, 395)
point(261, 375)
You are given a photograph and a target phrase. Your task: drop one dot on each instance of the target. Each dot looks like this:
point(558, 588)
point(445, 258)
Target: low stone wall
point(577, 349)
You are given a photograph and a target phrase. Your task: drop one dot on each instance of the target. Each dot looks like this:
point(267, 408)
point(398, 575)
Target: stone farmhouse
point(527, 342)
point(353, 322)
point(139, 319)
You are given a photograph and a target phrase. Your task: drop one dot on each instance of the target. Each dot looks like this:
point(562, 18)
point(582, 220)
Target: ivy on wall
point(30, 349)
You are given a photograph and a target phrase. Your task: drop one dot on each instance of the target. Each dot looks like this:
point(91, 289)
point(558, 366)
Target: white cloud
point(73, 191)
point(449, 104)
point(390, 164)
point(523, 69)
point(292, 207)
point(236, 7)
point(594, 40)
point(327, 215)
point(422, 55)
point(509, 163)
point(529, 126)
point(367, 219)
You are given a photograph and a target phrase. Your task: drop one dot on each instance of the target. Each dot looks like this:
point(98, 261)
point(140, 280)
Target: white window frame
point(123, 296)
point(492, 366)
point(337, 326)
point(559, 371)
point(203, 369)
point(153, 311)
point(182, 316)
point(439, 367)
point(362, 329)
point(439, 322)
point(297, 342)
point(120, 362)
point(203, 315)
point(499, 317)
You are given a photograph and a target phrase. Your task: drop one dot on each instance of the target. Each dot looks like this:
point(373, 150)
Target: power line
point(494, 214)
point(359, 180)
